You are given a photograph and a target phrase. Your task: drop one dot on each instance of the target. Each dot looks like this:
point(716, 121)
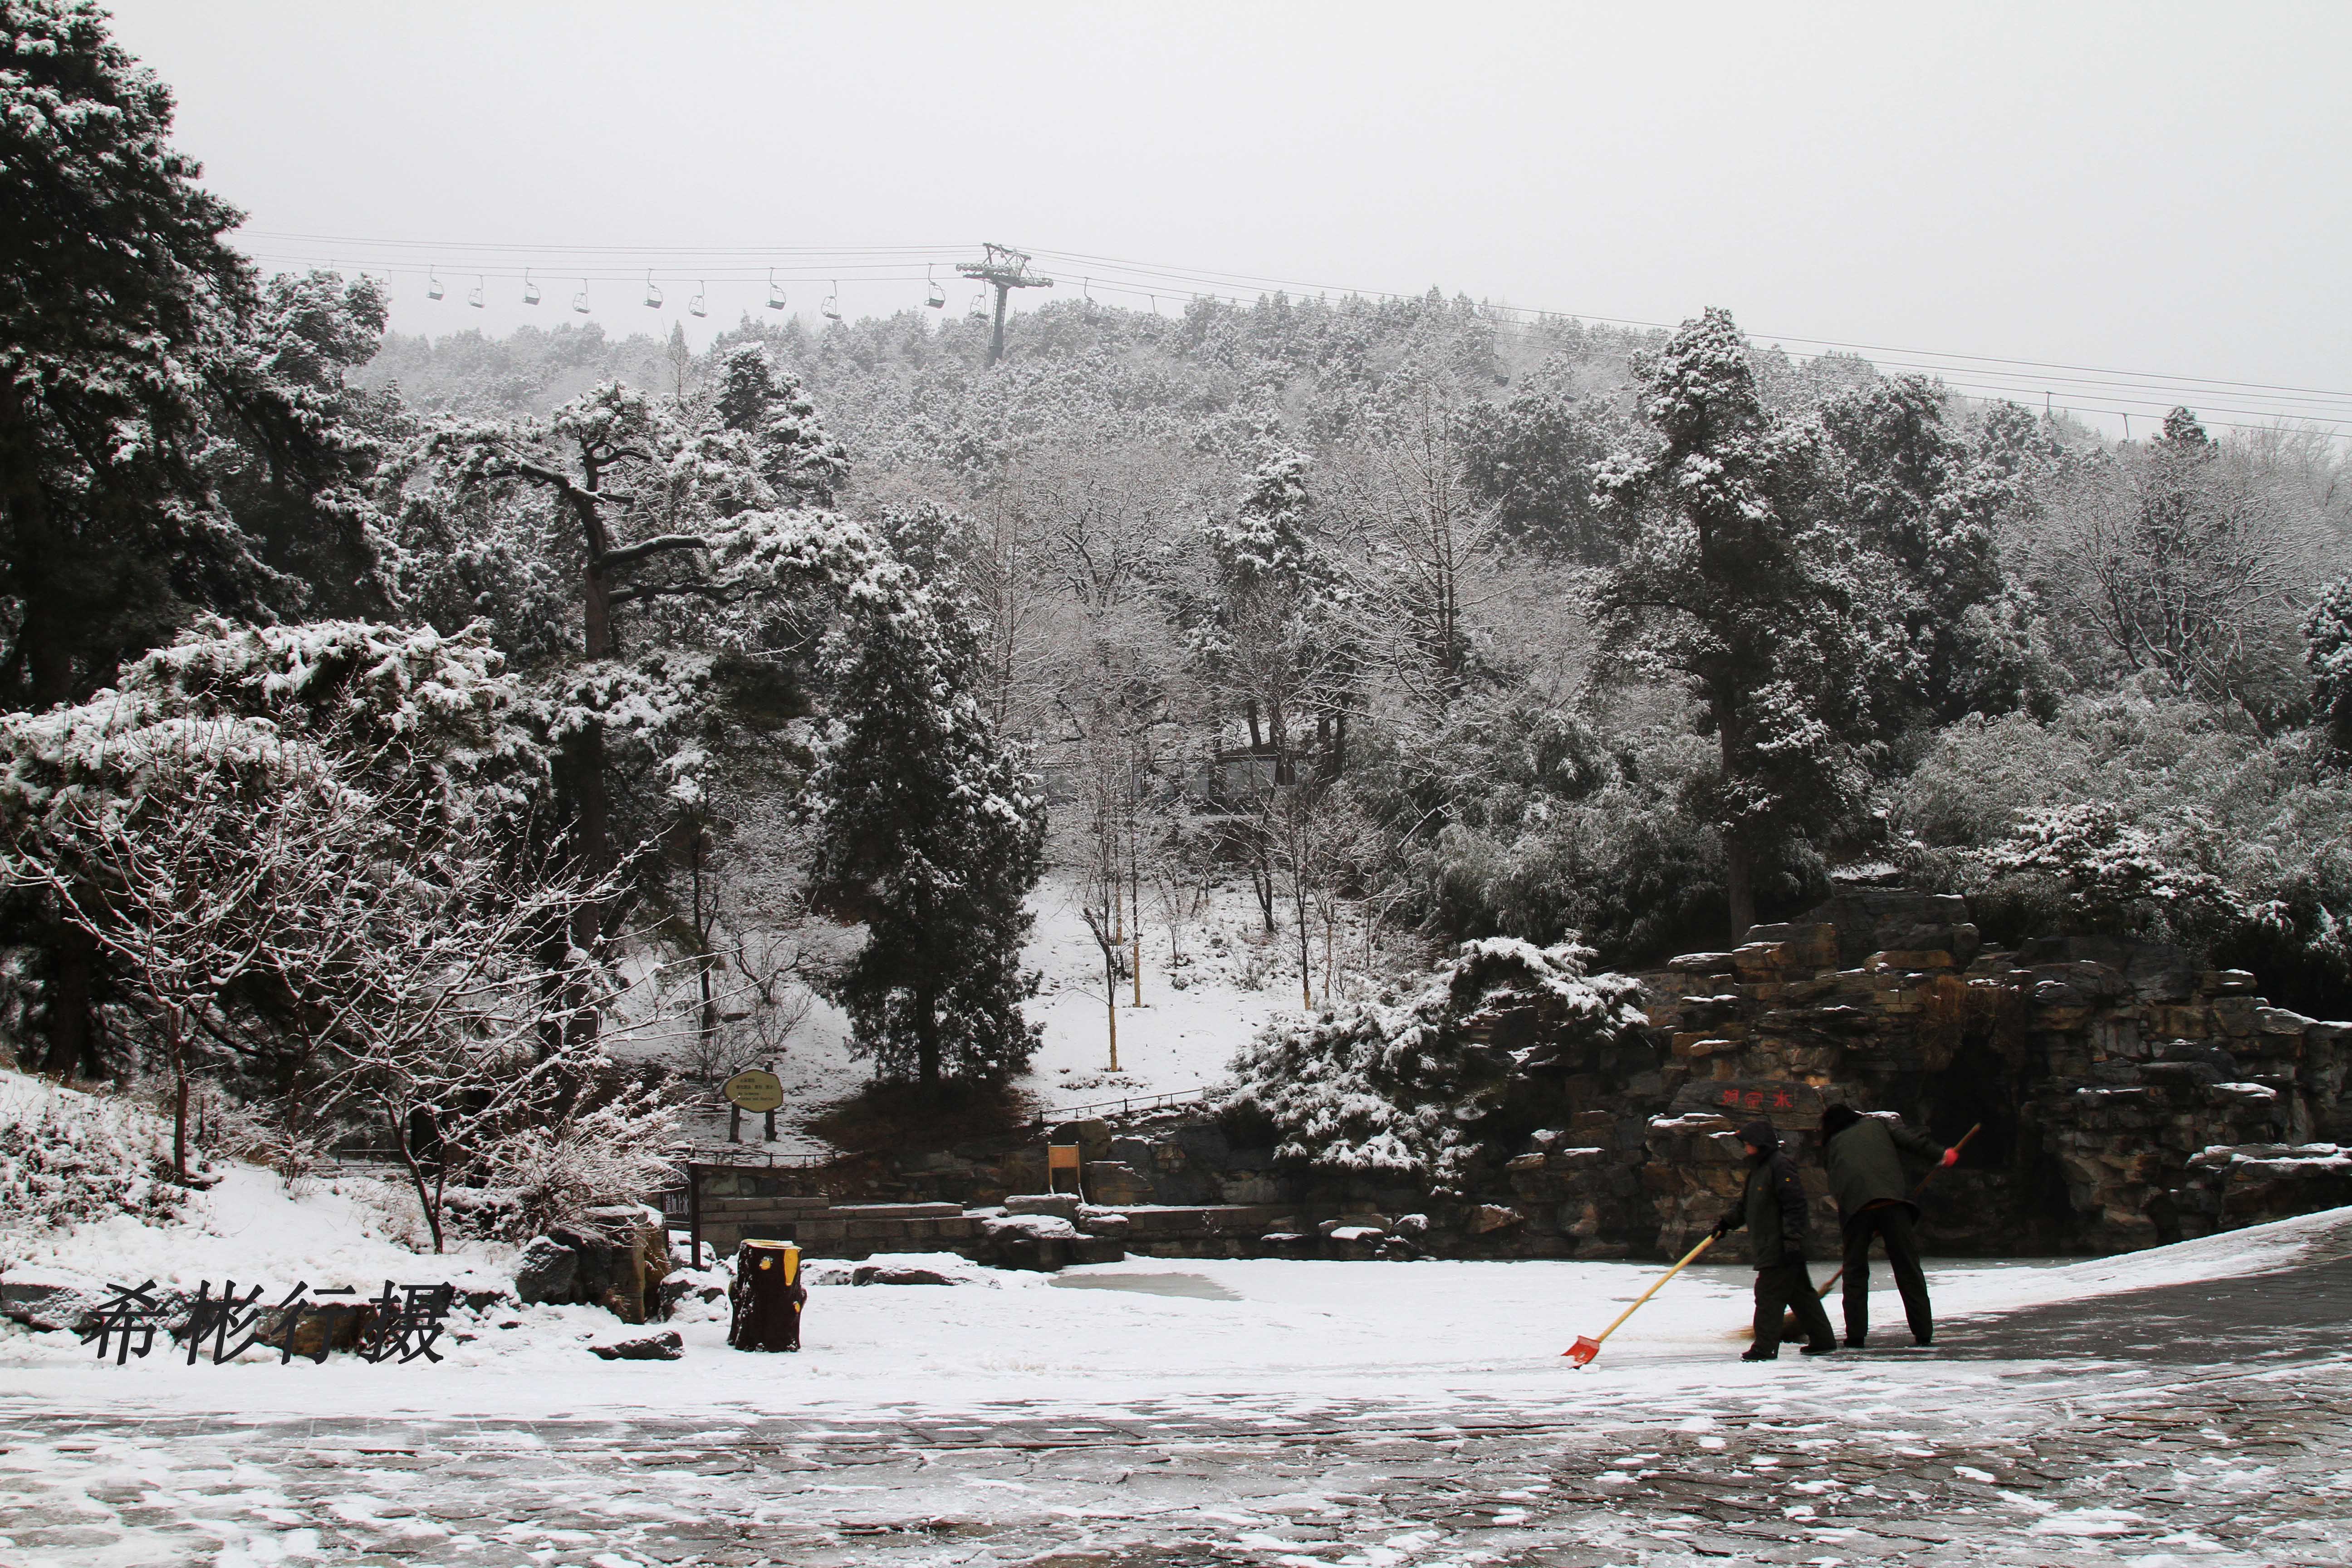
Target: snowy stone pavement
point(2141, 1442)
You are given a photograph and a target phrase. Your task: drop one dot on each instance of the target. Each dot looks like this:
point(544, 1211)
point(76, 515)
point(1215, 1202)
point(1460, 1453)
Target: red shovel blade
point(1583, 1350)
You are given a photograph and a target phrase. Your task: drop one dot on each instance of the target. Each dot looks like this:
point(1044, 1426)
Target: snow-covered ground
point(1194, 1015)
point(1282, 1332)
point(1266, 1413)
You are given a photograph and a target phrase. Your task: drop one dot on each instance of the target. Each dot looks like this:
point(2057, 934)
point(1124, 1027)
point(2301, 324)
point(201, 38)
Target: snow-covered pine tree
point(1725, 579)
point(1267, 631)
point(1914, 493)
point(681, 537)
point(137, 356)
point(794, 453)
point(2327, 650)
point(932, 833)
point(420, 730)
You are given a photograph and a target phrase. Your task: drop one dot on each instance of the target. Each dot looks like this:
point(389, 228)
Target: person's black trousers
point(1783, 1287)
point(1894, 1222)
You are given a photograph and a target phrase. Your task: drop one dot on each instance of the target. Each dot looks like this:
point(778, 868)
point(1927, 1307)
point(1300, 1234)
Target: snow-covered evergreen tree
point(1403, 1088)
point(1266, 628)
point(2327, 650)
point(1917, 498)
point(171, 438)
point(932, 835)
point(1727, 579)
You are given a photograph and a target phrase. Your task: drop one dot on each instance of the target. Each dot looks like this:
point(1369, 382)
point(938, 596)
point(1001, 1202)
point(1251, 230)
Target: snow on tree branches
point(1404, 1088)
point(1725, 580)
point(172, 436)
point(67, 1157)
point(932, 833)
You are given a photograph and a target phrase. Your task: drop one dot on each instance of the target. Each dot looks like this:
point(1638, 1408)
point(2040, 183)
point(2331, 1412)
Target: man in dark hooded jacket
point(1865, 1156)
point(1772, 1209)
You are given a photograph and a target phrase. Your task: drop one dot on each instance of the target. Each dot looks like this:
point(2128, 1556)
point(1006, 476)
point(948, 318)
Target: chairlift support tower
point(1003, 269)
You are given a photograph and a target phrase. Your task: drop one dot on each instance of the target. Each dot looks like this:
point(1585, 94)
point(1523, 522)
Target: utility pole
point(1003, 269)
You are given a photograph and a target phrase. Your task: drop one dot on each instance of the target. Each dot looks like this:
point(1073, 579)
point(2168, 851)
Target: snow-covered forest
point(761, 802)
point(474, 747)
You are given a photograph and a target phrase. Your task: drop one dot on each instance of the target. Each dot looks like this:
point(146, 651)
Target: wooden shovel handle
point(1654, 1289)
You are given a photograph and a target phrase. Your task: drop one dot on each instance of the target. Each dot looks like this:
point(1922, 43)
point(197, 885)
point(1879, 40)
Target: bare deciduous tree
point(2188, 561)
point(1421, 548)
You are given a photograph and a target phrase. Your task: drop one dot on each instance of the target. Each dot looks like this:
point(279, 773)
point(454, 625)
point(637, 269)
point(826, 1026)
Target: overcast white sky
point(2153, 188)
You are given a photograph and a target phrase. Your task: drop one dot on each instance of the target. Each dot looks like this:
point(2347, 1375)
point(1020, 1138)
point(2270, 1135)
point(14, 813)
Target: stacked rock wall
point(2110, 1080)
point(2124, 1097)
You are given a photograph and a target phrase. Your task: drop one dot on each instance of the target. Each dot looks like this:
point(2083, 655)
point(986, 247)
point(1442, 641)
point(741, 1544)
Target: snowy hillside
point(339, 1231)
point(1195, 1015)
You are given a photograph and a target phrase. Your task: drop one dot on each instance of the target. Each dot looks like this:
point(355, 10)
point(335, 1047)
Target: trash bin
point(766, 1297)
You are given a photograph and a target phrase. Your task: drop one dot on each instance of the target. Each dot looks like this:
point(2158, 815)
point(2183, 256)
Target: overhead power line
point(2080, 388)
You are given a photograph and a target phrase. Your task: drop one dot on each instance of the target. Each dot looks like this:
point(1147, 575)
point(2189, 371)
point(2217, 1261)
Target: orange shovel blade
point(1583, 1350)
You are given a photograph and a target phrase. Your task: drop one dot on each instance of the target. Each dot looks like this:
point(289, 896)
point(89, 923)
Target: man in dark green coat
point(1865, 1156)
point(1772, 1209)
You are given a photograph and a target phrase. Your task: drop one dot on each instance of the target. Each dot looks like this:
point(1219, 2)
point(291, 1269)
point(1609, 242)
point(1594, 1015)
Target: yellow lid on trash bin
point(783, 1255)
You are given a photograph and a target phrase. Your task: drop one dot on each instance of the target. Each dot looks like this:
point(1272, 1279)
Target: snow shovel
point(1585, 1348)
point(1790, 1329)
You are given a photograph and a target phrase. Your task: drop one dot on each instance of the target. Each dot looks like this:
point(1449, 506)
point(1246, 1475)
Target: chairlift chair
point(653, 293)
point(695, 307)
point(432, 289)
point(775, 291)
point(938, 297)
point(979, 311)
point(529, 288)
point(580, 300)
point(474, 294)
point(831, 309)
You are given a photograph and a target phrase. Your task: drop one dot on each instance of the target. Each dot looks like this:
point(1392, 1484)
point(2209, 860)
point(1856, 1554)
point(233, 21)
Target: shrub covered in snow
point(555, 1172)
point(67, 1157)
point(1404, 1088)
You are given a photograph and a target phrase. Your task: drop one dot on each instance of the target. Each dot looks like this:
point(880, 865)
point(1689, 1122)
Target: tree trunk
point(1261, 879)
point(1305, 962)
point(927, 1039)
point(1110, 1002)
point(1738, 886)
point(44, 640)
point(48, 654)
point(704, 923)
point(72, 1049)
point(584, 760)
point(179, 1104)
point(426, 1197)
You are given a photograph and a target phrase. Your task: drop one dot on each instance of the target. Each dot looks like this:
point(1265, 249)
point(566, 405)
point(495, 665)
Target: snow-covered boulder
point(545, 1273)
point(50, 1298)
point(1044, 1241)
point(1038, 1226)
point(887, 1274)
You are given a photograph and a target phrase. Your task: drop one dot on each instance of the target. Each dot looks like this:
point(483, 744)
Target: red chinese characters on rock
point(1757, 1099)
